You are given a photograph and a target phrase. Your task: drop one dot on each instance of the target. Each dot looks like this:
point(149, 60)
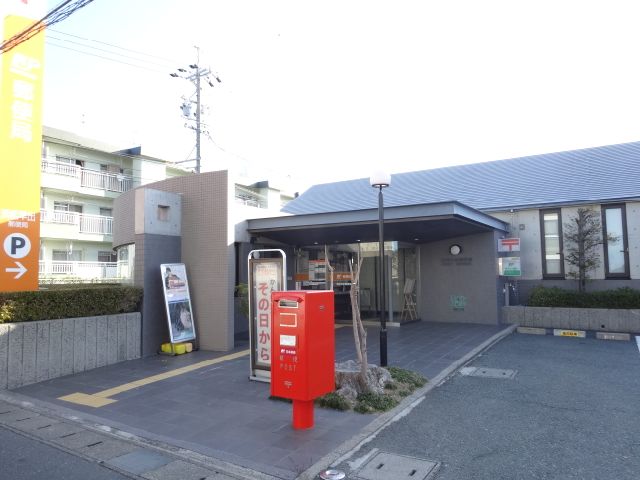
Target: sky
point(334, 90)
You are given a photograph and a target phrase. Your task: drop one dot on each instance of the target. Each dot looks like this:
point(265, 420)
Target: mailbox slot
point(288, 303)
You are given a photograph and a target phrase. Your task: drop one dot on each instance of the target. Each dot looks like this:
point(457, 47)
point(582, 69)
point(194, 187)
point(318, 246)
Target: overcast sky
point(330, 90)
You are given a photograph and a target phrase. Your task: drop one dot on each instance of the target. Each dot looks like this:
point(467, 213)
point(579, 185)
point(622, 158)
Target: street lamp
point(381, 180)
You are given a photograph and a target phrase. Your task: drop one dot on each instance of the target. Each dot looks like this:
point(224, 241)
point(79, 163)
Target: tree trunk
point(359, 332)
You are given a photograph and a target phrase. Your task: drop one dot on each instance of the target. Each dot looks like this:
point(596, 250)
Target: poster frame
point(180, 271)
point(259, 371)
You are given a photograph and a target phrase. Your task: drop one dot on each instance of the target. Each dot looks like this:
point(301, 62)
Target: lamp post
point(381, 180)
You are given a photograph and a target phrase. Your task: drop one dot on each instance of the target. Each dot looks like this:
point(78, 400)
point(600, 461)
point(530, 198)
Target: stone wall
point(596, 319)
point(32, 352)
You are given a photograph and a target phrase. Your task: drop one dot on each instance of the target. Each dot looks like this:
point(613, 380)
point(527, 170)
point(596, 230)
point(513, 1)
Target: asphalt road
point(572, 411)
point(23, 458)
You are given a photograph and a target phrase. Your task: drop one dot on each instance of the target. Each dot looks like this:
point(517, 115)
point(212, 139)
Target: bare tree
point(359, 332)
point(328, 268)
point(582, 237)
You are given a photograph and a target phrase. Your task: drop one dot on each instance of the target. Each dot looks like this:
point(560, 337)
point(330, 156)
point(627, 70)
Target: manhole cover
point(387, 466)
point(488, 372)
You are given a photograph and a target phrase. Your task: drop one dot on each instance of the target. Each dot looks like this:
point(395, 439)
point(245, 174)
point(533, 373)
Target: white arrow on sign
point(20, 270)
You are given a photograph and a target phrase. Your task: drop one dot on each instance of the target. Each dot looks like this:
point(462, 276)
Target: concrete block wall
point(32, 352)
point(596, 319)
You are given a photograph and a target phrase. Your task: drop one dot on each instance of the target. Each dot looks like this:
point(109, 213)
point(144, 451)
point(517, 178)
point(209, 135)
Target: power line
point(106, 58)
point(62, 11)
point(111, 52)
point(168, 60)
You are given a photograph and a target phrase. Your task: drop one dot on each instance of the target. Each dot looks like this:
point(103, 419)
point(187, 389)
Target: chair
point(409, 311)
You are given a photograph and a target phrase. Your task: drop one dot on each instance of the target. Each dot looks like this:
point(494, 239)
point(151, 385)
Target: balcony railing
point(112, 182)
point(79, 270)
point(246, 196)
point(90, 224)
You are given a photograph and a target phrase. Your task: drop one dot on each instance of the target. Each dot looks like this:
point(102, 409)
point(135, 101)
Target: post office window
point(551, 234)
point(616, 249)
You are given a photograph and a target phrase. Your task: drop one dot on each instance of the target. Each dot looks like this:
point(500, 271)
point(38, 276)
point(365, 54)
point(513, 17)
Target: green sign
point(457, 302)
point(510, 267)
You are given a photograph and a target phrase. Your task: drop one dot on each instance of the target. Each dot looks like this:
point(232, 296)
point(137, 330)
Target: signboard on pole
point(266, 275)
point(510, 266)
point(178, 302)
point(508, 245)
point(20, 151)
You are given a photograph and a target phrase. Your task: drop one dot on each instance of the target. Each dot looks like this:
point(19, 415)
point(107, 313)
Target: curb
point(351, 446)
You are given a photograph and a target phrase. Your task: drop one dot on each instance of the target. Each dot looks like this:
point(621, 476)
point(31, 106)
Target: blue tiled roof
point(577, 176)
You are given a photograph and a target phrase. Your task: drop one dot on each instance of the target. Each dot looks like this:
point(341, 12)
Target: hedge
point(68, 303)
point(557, 297)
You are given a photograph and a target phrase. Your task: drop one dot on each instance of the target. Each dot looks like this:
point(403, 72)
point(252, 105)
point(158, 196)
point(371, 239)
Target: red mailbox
point(303, 348)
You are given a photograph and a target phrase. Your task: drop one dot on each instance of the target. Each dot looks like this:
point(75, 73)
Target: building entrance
point(326, 267)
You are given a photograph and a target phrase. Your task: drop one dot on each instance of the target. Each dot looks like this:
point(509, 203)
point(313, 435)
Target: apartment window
point(551, 229)
point(110, 168)
point(107, 256)
point(616, 250)
point(106, 212)
point(69, 161)
point(67, 207)
point(66, 256)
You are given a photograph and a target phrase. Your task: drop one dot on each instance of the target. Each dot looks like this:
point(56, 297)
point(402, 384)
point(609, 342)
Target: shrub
point(68, 302)
point(407, 377)
point(557, 297)
point(334, 401)
point(373, 402)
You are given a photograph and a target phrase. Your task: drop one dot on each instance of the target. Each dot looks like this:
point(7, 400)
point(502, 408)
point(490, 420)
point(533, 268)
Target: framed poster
point(177, 302)
point(266, 275)
point(266, 278)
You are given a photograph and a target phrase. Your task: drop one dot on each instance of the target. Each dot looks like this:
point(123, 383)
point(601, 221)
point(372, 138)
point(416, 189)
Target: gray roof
point(590, 175)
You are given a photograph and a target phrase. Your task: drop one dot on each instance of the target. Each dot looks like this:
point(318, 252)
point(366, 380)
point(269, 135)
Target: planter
point(31, 352)
point(597, 319)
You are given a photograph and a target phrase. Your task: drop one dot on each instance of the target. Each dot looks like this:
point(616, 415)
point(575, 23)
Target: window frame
point(625, 241)
point(543, 250)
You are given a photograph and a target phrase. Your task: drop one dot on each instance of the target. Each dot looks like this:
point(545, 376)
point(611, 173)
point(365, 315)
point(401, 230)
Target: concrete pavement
point(213, 417)
point(565, 408)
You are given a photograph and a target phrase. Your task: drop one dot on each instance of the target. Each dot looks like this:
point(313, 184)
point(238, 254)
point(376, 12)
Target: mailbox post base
point(302, 414)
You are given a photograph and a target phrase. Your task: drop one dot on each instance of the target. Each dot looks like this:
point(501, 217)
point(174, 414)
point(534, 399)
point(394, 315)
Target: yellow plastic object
point(178, 348)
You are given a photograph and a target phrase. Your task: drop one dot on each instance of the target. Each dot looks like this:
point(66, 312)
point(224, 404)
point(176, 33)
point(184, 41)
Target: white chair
point(409, 311)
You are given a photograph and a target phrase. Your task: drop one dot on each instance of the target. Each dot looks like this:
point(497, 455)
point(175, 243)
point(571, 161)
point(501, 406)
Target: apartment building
point(80, 179)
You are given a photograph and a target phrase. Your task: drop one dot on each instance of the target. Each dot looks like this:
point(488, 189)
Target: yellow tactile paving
point(100, 399)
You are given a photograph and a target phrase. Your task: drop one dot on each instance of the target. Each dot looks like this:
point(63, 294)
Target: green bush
point(407, 377)
point(557, 297)
point(373, 402)
point(334, 401)
point(68, 302)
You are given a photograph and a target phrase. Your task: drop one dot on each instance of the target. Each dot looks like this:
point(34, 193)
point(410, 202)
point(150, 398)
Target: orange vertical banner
point(20, 152)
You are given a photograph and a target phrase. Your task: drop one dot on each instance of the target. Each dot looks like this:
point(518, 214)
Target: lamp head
point(380, 179)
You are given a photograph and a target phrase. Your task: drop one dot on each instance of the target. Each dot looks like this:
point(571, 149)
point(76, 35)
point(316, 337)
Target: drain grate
point(488, 372)
point(387, 466)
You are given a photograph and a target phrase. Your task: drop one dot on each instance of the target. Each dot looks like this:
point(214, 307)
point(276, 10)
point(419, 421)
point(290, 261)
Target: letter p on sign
point(17, 245)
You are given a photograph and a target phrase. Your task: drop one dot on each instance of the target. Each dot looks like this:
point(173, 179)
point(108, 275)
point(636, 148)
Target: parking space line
point(100, 399)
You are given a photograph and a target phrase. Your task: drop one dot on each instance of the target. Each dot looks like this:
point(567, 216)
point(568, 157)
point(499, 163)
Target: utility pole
point(194, 75)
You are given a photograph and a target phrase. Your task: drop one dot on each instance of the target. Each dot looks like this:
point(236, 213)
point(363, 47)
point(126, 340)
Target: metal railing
point(246, 196)
point(91, 224)
point(96, 224)
point(112, 182)
point(82, 270)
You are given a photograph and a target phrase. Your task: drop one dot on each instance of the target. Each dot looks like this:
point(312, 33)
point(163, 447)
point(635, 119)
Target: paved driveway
point(215, 410)
point(572, 411)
